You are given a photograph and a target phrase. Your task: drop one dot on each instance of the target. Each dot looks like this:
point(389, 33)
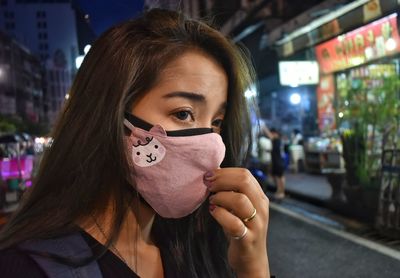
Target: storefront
point(359, 100)
point(348, 56)
point(357, 48)
point(362, 57)
point(355, 69)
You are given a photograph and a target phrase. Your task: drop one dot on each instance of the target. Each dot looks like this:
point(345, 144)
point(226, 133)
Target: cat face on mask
point(147, 153)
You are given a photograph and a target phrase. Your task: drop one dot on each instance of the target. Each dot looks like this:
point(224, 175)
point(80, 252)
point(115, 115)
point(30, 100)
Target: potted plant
point(369, 124)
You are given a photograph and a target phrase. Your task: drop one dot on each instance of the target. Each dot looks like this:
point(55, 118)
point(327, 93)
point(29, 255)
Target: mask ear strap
point(128, 125)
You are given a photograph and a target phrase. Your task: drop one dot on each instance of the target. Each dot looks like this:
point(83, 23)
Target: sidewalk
point(311, 193)
point(312, 188)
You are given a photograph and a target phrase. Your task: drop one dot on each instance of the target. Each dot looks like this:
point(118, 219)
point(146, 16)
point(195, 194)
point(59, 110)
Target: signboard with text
point(295, 73)
point(325, 97)
point(372, 41)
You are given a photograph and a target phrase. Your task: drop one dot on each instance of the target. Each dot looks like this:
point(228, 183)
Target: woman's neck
point(137, 224)
point(134, 244)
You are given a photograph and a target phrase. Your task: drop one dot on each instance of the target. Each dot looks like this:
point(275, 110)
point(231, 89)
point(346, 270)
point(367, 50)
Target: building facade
point(54, 40)
point(21, 81)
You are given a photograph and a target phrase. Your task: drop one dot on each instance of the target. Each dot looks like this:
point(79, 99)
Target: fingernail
point(208, 175)
point(212, 207)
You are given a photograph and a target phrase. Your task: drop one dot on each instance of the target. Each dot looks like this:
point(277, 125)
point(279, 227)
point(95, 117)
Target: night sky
point(105, 13)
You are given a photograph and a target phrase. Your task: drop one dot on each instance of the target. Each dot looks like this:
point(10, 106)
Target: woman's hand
point(240, 206)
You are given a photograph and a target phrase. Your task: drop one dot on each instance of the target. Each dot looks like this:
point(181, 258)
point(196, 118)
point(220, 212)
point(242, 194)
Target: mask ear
point(158, 130)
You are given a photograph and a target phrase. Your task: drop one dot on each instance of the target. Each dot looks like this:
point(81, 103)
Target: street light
point(295, 98)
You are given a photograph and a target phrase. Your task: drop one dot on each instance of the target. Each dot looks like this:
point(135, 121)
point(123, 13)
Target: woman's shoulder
point(17, 263)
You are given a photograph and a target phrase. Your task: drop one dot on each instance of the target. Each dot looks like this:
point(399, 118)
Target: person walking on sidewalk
point(278, 164)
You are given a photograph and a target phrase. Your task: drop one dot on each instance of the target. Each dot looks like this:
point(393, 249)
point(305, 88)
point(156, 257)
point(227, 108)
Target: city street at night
point(140, 138)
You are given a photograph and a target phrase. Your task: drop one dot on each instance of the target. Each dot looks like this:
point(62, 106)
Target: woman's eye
point(182, 115)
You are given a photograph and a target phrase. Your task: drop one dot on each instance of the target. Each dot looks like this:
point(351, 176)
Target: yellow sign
point(372, 10)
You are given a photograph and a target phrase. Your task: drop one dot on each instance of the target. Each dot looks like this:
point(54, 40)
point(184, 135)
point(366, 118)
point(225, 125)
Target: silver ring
point(242, 235)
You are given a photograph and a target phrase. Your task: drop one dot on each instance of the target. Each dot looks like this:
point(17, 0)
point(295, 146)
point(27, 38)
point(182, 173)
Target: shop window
point(3, 3)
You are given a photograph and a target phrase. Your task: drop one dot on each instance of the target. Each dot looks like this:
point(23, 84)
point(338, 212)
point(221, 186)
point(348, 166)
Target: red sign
point(375, 40)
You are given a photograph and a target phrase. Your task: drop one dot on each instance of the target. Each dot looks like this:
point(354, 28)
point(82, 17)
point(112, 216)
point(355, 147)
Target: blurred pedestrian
point(264, 152)
point(123, 191)
point(296, 137)
point(278, 164)
point(296, 151)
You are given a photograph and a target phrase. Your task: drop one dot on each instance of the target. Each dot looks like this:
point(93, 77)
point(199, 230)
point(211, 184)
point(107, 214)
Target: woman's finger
point(236, 203)
point(230, 223)
point(238, 180)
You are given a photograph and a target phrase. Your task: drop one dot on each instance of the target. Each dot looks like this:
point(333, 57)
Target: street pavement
point(307, 239)
point(300, 246)
point(312, 186)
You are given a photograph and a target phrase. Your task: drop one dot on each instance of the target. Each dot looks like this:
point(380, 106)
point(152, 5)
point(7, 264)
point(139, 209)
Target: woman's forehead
point(194, 72)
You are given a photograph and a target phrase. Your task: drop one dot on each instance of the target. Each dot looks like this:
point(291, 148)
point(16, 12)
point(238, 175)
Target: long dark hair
point(86, 167)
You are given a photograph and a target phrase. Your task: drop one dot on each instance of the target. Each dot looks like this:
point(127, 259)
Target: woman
point(134, 166)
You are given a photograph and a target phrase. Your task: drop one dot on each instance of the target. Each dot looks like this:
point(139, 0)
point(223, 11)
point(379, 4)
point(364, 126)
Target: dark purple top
point(15, 263)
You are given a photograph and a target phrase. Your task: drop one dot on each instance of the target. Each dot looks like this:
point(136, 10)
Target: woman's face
point(191, 93)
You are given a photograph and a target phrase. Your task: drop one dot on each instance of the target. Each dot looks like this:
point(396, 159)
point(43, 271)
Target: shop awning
point(342, 20)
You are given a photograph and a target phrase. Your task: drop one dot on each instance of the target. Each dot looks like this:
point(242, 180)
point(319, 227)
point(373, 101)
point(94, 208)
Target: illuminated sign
point(325, 99)
point(295, 73)
point(375, 40)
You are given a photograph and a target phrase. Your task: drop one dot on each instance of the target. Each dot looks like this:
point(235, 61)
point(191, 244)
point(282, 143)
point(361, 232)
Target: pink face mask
point(169, 166)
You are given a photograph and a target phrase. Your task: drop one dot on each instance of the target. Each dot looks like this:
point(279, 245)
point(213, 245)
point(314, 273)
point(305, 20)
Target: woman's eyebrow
point(195, 97)
point(188, 95)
